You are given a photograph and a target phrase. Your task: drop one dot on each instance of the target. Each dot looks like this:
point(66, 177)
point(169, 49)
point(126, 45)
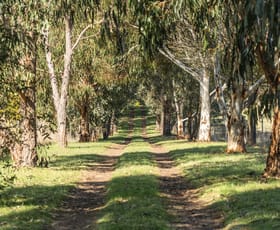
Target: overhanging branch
point(167, 53)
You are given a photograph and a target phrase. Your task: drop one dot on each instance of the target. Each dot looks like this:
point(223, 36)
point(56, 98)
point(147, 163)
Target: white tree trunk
point(204, 133)
point(60, 100)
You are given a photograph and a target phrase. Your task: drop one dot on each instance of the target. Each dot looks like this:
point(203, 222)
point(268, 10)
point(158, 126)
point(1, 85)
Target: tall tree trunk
point(106, 129)
point(235, 123)
point(84, 123)
point(112, 124)
point(60, 100)
point(158, 122)
point(179, 114)
point(204, 133)
point(166, 117)
point(252, 123)
point(273, 158)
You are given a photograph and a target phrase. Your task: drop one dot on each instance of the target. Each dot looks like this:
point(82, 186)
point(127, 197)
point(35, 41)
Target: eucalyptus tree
point(160, 27)
point(67, 13)
point(19, 72)
point(185, 48)
point(261, 34)
point(256, 38)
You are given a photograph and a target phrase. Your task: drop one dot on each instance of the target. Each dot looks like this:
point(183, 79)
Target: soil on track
point(82, 207)
point(182, 201)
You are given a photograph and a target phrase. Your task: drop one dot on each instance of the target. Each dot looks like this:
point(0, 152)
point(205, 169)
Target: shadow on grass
point(160, 138)
point(133, 203)
point(256, 209)
point(77, 161)
point(39, 201)
point(210, 165)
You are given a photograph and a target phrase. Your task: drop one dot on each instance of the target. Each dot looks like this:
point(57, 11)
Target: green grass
point(230, 183)
point(37, 192)
point(133, 201)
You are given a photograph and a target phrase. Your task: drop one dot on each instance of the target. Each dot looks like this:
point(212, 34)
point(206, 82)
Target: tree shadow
point(135, 159)
point(77, 161)
point(134, 204)
point(205, 170)
point(259, 209)
point(39, 201)
point(160, 138)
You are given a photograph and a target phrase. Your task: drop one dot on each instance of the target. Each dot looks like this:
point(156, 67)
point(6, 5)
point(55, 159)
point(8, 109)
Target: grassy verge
point(230, 183)
point(29, 202)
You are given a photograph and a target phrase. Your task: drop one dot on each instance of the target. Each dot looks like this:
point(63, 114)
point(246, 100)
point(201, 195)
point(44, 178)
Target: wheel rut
point(81, 208)
point(182, 201)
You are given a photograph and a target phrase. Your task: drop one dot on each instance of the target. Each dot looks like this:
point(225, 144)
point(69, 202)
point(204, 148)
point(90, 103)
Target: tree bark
point(60, 100)
point(84, 124)
point(267, 63)
point(179, 113)
point(166, 117)
point(235, 123)
point(204, 133)
point(24, 153)
point(252, 123)
point(273, 159)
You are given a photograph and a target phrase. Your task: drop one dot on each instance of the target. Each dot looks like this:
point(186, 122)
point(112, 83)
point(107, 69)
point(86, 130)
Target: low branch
point(187, 118)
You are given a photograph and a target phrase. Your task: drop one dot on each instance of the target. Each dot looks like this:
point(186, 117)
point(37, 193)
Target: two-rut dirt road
point(81, 209)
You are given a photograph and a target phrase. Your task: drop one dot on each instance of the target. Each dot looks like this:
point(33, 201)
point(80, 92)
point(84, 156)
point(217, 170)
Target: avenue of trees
point(71, 68)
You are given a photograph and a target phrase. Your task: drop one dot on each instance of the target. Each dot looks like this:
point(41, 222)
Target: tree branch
point(166, 52)
point(80, 37)
point(82, 33)
point(254, 87)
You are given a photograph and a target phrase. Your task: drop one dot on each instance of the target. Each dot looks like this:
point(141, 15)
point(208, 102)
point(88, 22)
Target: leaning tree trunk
point(204, 133)
point(235, 123)
point(24, 152)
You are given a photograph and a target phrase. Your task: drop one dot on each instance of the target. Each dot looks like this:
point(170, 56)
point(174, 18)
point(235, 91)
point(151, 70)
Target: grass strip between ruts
point(133, 200)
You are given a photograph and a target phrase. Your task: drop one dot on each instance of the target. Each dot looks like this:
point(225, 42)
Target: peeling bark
point(235, 123)
point(24, 151)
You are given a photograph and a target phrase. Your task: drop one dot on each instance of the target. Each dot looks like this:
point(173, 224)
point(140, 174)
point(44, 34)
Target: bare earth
point(82, 206)
point(81, 209)
point(182, 201)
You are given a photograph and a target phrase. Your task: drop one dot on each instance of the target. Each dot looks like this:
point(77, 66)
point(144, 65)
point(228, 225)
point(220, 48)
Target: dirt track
point(81, 209)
